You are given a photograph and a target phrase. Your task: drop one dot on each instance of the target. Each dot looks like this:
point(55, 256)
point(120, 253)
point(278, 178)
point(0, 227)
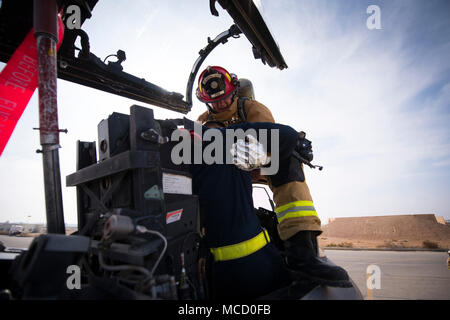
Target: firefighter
point(222, 102)
point(244, 261)
point(299, 225)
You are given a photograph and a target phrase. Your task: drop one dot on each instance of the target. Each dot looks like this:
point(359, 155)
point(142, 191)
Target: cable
point(132, 279)
point(119, 227)
point(124, 267)
point(156, 220)
point(143, 229)
point(111, 55)
point(192, 286)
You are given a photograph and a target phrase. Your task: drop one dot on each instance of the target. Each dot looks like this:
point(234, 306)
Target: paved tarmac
point(403, 275)
point(16, 242)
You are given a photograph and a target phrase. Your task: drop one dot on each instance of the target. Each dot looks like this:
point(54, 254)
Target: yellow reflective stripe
point(302, 203)
point(228, 76)
point(296, 209)
point(241, 249)
point(297, 214)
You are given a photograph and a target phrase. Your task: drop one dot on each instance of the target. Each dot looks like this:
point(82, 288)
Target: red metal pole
point(46, 32)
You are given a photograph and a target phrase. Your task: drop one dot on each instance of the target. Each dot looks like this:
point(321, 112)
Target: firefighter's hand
point(249, 154)
point(304, 147)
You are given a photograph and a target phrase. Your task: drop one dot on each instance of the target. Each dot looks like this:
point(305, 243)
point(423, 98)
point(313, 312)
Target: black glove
point(304, 147)
point(292, 169)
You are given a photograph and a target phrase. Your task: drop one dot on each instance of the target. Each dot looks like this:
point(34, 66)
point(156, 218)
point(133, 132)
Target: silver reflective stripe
point(217, 94)
point(295, 209)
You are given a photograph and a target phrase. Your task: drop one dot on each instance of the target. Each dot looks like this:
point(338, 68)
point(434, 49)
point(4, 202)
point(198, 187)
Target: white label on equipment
point(174, 183)
point(173, 216)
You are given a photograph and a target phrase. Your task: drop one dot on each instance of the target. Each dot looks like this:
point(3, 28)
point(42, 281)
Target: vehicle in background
point(15, 230)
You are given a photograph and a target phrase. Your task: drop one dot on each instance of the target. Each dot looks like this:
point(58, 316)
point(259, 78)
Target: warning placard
point(173, 216)
point(175, 183)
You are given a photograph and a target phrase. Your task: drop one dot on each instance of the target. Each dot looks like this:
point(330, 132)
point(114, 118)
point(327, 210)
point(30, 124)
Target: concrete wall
point(411, 227)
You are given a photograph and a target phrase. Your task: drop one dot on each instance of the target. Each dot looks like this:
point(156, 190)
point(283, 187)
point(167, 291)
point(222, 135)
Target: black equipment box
point(135, 177)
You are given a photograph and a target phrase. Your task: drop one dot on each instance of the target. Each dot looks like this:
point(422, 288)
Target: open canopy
point(248, 18)
point(81, 66)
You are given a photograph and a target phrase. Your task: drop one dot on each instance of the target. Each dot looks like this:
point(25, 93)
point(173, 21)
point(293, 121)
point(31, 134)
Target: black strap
point(241, 109)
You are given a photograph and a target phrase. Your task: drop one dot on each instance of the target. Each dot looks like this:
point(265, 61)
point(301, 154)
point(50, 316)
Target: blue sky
point(375, 103)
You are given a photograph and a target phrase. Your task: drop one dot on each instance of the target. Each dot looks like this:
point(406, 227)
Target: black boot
point(303, 262)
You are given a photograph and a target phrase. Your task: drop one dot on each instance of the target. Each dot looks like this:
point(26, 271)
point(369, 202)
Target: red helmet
point(215, 83)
